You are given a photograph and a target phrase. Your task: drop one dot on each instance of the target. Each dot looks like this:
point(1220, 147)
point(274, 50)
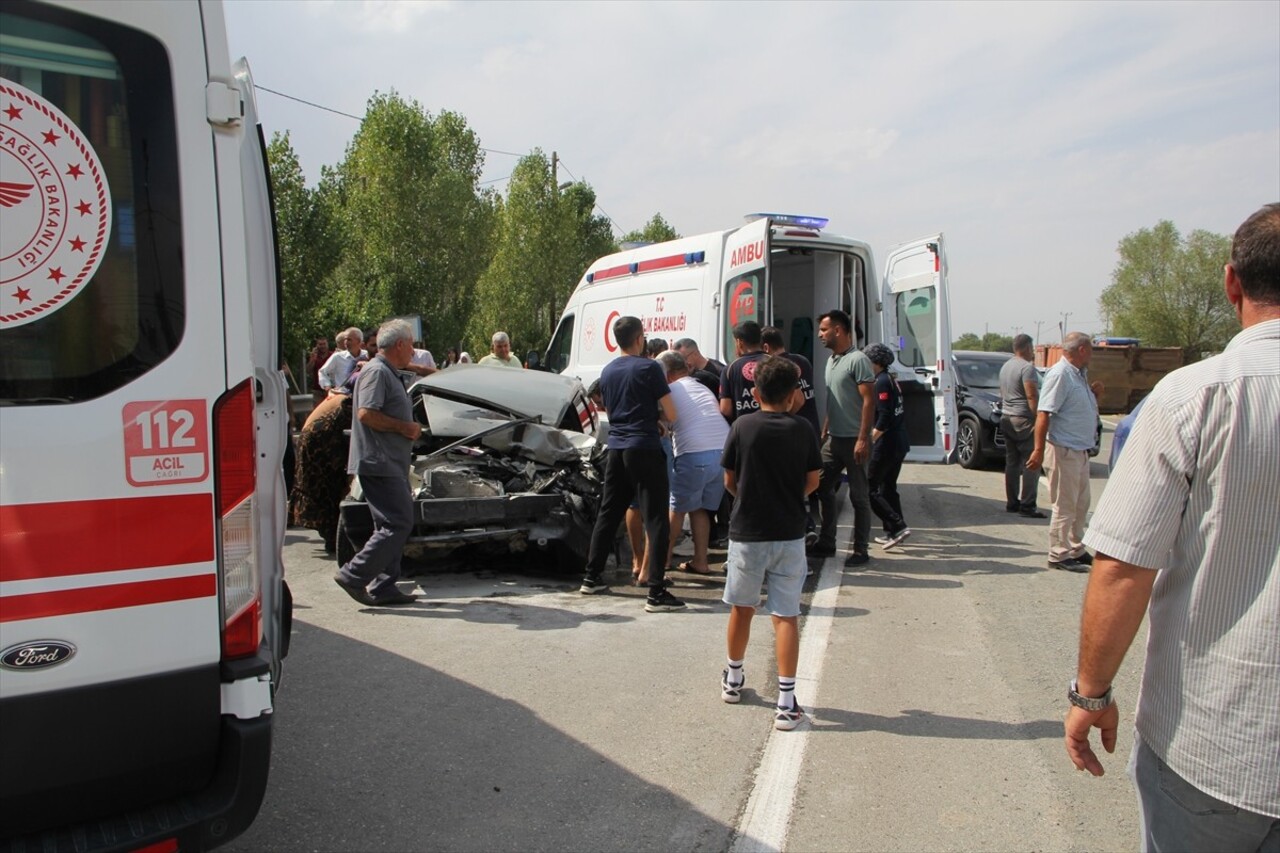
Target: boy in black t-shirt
point(771, 463)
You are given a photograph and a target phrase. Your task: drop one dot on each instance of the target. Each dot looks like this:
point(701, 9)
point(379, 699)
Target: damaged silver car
point(508, 463)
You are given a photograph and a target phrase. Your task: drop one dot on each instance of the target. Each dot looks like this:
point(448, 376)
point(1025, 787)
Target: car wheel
point(967, 440)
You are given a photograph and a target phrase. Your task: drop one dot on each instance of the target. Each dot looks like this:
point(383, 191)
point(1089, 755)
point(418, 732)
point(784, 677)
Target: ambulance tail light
point(234, 480)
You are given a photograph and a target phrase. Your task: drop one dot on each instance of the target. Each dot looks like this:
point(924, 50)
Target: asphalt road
point(507, 712)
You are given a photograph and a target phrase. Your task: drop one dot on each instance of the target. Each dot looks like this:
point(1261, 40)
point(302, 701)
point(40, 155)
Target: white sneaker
point(730, 692)
point(896, 539)
point(785, 721)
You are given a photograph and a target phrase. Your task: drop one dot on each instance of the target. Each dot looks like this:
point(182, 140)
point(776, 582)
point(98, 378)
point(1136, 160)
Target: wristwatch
point(1087, 702)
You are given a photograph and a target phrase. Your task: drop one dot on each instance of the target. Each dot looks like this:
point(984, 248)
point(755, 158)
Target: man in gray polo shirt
point(1019, 395)
point(382, 435)
point(1065, 426)
point(1189, 523)
point(846, 437)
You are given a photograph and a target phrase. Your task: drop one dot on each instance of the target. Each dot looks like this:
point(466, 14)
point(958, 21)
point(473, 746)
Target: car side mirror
point(533, 360)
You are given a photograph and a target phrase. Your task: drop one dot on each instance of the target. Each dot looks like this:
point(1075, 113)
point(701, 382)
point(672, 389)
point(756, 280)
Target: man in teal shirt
point(846, 436)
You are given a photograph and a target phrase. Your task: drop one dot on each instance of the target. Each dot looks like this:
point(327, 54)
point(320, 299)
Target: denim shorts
point(698, 482)
point(781, 563)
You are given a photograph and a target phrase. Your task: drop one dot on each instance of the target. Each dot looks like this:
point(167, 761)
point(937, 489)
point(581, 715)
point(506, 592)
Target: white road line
point(767, 817)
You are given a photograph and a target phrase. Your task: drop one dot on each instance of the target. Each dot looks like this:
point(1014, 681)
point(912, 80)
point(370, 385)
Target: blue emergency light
point(815, 222)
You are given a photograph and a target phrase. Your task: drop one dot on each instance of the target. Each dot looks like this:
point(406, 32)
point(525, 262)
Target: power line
point(308, 103)
point(603, 212)
point(358, 118)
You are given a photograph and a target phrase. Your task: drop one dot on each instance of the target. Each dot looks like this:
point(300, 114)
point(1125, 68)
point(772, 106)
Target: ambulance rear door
point(917, 326)
point(744, 291)
point(271, 392)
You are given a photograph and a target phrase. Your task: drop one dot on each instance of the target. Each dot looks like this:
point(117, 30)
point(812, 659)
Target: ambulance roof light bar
point(815, 222)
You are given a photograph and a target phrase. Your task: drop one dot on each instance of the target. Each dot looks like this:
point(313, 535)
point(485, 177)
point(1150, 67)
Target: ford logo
point(36, 655)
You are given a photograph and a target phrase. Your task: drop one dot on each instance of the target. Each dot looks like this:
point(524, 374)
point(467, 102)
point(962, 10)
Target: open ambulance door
point(271, 391)
point(917, 326)
point(744, 291)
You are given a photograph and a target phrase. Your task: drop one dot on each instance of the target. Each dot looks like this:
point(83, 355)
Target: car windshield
point(979, 373)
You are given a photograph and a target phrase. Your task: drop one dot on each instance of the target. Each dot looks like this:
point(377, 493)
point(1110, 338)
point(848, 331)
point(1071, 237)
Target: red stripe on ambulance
point(38, 605)
point(44, 540)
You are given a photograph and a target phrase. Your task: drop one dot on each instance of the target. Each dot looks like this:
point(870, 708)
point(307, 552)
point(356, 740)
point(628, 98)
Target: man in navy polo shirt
point(635, 393)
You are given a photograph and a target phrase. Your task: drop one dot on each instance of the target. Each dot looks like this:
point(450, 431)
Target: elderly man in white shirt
point(1066, 424)
point(697, 441)
point(334, 373)
point(1190, 523)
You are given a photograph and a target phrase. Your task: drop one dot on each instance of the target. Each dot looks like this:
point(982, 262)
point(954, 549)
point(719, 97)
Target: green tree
point(417, 223)
point(656, 230)
point(989, 342)
point(544, 239)
point(1167, 290)
point(310, 245)
point(996, 342)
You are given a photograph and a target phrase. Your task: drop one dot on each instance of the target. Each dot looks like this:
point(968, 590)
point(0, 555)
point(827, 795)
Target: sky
point(1035, 136)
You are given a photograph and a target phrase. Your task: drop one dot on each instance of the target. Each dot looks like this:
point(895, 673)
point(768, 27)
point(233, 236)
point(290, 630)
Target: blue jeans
point(1178, 816)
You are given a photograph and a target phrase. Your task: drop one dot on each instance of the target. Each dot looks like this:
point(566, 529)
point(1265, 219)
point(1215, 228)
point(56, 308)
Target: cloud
point(839, 150)
point(379, 17)
point(1036, 135)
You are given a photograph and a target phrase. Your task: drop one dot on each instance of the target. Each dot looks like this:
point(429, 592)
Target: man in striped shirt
point(1190, 523)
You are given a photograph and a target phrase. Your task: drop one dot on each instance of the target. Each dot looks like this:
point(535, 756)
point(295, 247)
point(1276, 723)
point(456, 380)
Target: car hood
point(468, 398)
point(990, 395)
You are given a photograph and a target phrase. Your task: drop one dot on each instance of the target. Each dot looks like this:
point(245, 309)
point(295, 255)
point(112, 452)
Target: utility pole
point(1039, 323)
point(555, 196)
point(1062, 327)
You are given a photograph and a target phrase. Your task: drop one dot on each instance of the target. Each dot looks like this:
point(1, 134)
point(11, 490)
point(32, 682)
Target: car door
point(917, 325)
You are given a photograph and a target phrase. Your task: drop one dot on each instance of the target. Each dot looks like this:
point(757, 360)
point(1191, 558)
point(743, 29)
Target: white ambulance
point(143, 615)
point(785, 271)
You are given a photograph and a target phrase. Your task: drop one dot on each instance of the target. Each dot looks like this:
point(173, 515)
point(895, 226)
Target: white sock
point(735, 671)
point(786, 693)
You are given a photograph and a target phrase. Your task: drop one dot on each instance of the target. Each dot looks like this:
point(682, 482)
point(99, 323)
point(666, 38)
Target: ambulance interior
point(805, 282)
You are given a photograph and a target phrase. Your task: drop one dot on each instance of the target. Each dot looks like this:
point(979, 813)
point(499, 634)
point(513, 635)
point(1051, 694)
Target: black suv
point(978, 438)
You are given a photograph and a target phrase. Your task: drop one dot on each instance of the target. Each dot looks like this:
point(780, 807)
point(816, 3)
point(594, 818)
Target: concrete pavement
point(507, 712)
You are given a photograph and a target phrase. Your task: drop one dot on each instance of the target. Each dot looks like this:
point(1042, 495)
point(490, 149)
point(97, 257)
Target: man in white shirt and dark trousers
point(1190, 523)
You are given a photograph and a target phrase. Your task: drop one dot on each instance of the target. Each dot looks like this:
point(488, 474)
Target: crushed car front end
point(508, 464)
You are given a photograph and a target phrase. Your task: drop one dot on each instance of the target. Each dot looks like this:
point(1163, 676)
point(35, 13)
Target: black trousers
point(882, 477)
point(1019, 484)
point(639, 475)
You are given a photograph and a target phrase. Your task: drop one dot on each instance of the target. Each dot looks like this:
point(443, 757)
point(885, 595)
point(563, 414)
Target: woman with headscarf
point(321, 479)
point(889, 446)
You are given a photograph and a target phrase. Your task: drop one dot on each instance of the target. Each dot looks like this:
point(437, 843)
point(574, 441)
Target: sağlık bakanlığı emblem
point(55, 207)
